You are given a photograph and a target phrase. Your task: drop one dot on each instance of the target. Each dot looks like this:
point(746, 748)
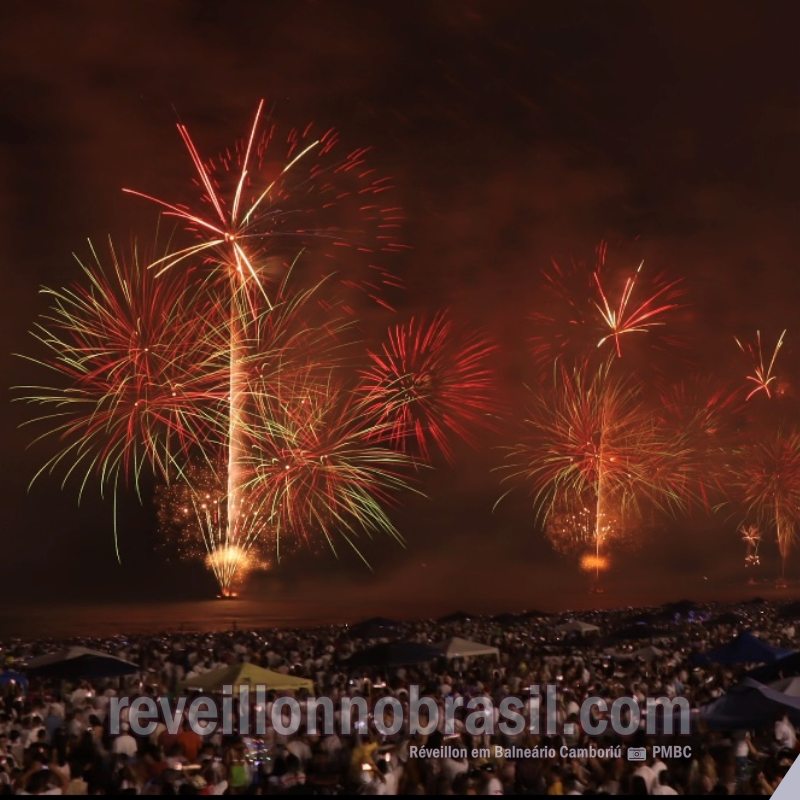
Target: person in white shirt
point(658, 767)
point(646, 773)
point(663, 786)
point(124, 744)
point(491, 783)
point(785, 733)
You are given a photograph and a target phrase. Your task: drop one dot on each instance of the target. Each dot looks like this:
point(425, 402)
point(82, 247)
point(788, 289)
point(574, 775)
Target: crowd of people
point(56, 736)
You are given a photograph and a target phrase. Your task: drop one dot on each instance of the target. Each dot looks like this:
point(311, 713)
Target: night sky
point(515, 132)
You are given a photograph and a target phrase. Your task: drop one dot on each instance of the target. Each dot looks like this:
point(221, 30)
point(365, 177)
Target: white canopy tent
point(576, 626)
point(455, 647)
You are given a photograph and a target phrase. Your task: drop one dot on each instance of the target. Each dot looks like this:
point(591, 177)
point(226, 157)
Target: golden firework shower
point(590, 562)
point(751, 536)
point(263, 217)
point(224, 366)
point(592, 456)
point(192, 514)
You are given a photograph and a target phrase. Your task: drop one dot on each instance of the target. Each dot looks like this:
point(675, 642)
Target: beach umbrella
point(640, 630)
point(77, 663)
point(744, 649)
point(393, 654)
point(749, 705)
point(506, 618)
point(785, 667)
point(790, 611)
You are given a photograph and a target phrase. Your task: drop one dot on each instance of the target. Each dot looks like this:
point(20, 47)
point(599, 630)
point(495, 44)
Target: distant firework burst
point(593, 449)
point(592, 312)
point(425, 387)
point(704, 416)
point(767, 474)
point(751, 536)
point(763, 378)
point(317, 470)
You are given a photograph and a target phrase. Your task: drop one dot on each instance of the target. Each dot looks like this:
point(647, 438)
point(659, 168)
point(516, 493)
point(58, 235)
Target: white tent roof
point(647, 653)
point(455, 647)
point(576, 626)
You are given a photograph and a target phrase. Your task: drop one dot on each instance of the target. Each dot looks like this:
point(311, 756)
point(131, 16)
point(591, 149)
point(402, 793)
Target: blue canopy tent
point(750, 705)
point(785, 667)
point(744, 649)
point(11, 678)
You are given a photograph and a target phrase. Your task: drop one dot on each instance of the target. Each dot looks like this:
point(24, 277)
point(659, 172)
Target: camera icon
point(637, 754)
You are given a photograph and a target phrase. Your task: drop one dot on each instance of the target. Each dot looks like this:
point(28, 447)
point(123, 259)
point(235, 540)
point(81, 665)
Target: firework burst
point(261, 204)
point(593, 309)
point(140, 372)
point(425, 387)
point(763, 376)
point(767, 474)
point(751, 536)
point(193, 518)
point(703, 416)
point(316, 467)
point(274, 194)
point(594, 453)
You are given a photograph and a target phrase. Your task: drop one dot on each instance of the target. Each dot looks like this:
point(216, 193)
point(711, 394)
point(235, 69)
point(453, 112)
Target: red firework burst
point(425, 387)
point(592, 309)
point(140, 369)
point(275, 194)
point(763, 378)
point(315, 469)
point(766, 472)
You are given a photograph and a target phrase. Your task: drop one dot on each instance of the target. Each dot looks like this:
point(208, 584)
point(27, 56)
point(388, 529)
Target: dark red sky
point(515, 131)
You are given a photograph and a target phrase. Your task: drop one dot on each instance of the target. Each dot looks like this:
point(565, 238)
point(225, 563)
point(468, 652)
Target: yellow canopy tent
point(245, 674)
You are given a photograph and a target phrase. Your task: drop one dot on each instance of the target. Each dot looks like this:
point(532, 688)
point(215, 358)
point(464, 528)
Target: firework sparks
point(768, 477)
point(594, 563)
point(593, 453)
point(702, 415)
point(626, 317)
point(751, 536)
point(139, 367)
point(586, 313)
point(269, 213)
point(316, 467)
point(192, 513)
point(424, 387)
point(763, 376)
point(231, 565)
point(271, 196)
